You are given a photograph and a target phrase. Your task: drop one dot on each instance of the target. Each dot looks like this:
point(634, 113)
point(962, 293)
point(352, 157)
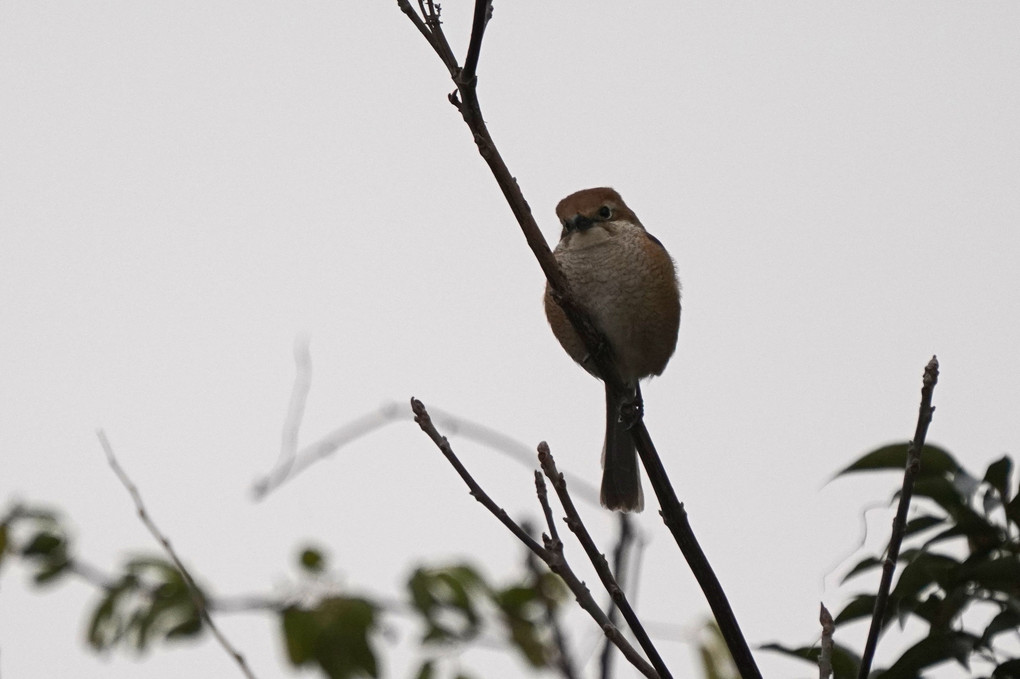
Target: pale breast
point(628, 283)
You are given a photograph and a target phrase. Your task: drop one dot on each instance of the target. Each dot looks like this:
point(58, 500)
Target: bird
point(627, 282)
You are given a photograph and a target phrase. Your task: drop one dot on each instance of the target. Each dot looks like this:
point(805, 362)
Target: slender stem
point(563, 660)
point(825, 650)
point(551, 553)
point(598, 559)
point(483, 12)
point(675, 517)
point(913, 466)
point(197, 598)
point(619, 570)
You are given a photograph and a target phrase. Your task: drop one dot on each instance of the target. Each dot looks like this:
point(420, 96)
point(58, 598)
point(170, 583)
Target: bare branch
point(913, 466)
point(619, 570)
point(551, 553)
point(326, 446)
point(389, 413)
point(483, 12)
point(598, 559)
point(543, 499)
point(296, 409)
point(196, 595)
point(563, 659)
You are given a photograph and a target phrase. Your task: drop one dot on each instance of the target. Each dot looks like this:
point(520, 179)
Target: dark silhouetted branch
point(551, 553)
point(620, 571)
point(913, 466)
point(598, 559)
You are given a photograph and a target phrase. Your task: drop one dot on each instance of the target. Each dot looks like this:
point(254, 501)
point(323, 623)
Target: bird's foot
point(632, 409)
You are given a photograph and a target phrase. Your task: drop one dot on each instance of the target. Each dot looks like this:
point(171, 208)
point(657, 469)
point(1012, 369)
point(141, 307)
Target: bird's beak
point(579, 223)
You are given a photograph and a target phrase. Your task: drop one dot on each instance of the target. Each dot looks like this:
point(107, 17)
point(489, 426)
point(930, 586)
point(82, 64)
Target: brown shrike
point(625, 279)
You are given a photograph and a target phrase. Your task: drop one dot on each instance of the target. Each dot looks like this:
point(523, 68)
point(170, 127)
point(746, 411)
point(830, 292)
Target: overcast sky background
point(185, 188)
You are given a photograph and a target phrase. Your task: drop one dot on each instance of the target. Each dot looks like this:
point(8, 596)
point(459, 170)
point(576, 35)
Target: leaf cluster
point(962, 554)
point(37, 536)
point(149, 601)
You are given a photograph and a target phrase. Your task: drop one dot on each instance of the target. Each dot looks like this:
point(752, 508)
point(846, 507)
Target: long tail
point(621, 482)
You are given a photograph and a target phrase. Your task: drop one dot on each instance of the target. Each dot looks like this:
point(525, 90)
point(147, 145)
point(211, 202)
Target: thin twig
point(675, 517)
point(598, 559)
point(620, 571)
point(913, 466)
point(563, 658)
point(296, 408)
point(326, 446)
point(551, 553)
point(825, 650)
point(390, 413)
point(543, 499)
point(197, 598)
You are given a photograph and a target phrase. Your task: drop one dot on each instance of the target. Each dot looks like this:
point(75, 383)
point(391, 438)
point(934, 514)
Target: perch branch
point(913, 466)
point(466, 100)
point(551, 553)
point(196, 595)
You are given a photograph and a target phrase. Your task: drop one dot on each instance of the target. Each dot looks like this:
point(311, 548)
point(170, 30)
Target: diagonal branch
point(551, 553)
point(675, 517)
point(483, 12)
point(598, 559)
point(196, 595)
point(619, 570)
point(924, 415)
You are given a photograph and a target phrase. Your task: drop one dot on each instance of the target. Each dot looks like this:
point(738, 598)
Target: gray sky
point(187, 187)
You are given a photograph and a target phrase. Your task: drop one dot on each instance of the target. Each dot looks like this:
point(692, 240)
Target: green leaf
point(446, 600)
point(920, 524)
point(104, 629)
point(998, 475)
point(426, 671)
point(935, 461)
point(926, 570)
point(1006, 621)
point(43, 544)
point(1013, 509)
point(300, 633)
point(861, 606)
point(942, 491)
point(189, 628)
point(844, 661)
point(933, 649)
point(863, 565)
point(50, 571)
point(996, 574)
point(335, 635)
point(1007, 670)
point(312, 560)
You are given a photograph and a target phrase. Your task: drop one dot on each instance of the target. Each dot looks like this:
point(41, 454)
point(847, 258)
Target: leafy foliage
point(451, 602)
point(45, 546)
point(962, 554)
point(150, 600)
point(335, 634)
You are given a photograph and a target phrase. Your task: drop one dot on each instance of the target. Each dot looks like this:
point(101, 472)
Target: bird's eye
point(605, 212)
